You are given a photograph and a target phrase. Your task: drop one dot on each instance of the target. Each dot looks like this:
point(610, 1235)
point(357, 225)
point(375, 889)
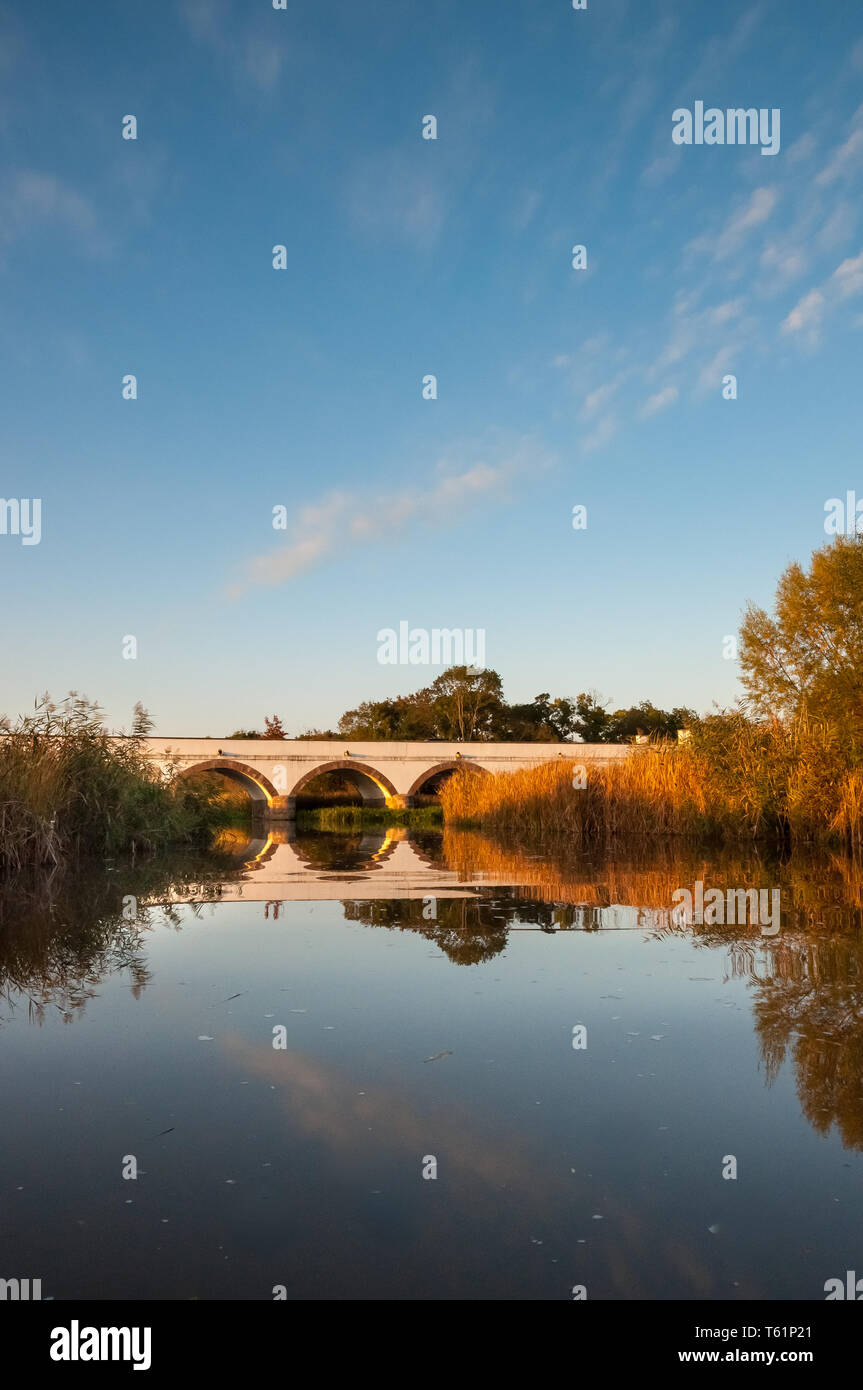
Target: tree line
point(463, 705)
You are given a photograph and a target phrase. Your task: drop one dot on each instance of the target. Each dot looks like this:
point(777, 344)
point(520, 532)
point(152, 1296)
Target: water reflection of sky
point(556, 1167)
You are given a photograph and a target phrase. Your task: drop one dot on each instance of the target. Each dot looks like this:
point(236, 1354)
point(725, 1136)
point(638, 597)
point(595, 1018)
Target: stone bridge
point(275, 771)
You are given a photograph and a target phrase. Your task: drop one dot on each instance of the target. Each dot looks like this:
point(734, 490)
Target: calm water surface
point(427, 989)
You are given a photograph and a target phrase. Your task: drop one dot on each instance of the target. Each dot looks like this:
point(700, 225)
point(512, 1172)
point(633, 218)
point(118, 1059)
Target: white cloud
point(32, 199)
point(681, 342)
point(723, 313)
point(329, 527)
point(711, 373)
point(806, 316)
point(204, 18)
point(660, 168)
point(661, 401)
point(839, 227)
point(754, 214)
point(602, 435)
point(599, 398)
point(391, 195)
point(250, 57)
point(786, 261)
point(524, 213)
point(782, 262)
point(801, 149)
point(848, 277)
point(262, 61)
point(844, 161)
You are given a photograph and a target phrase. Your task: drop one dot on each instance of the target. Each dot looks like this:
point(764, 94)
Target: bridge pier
point(281, 809)
point(400, 803)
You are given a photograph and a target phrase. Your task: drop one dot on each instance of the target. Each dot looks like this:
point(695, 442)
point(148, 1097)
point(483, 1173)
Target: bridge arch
point(374, 787)
point(251, 779)
point(451, 765)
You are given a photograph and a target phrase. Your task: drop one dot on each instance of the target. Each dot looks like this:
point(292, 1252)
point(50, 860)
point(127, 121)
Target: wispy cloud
point(661, 401)
point(710, 376)
point(392, 196)
point(601, 396)
point(754, 213)
point(252, 57)
point(802, 149)
point(809, 313)
point(806, 317)
point(602, 435)
point(724, 313)
point(205, 18)
point(32, 199)
point(719, 55)
point(838, 227)
point(723, 50)
point(845, 161)
point(405, 191)
point(782, 262)
point(341, 519)
point(848, 277)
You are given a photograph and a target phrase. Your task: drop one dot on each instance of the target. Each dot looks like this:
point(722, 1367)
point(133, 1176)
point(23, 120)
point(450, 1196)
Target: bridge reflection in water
point(281, 865)
point(631, 887)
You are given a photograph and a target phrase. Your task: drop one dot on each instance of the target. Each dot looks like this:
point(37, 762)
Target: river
point(414, 1066)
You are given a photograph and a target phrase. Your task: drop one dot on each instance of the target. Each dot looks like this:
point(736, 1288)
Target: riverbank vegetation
point(344, 817)
point(69, 788)
point(793, 783)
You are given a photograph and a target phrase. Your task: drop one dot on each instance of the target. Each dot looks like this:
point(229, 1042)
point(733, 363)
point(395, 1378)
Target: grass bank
point(69, 789)
point(735, 780)
point(359, 817)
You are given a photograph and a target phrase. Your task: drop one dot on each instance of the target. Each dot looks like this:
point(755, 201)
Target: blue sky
point(302, 387)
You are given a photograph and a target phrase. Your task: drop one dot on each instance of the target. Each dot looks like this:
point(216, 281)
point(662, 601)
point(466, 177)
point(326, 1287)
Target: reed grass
point(735, 780)
point(69, 788)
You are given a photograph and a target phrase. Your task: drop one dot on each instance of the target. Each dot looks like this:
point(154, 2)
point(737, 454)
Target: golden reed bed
point(735, 782)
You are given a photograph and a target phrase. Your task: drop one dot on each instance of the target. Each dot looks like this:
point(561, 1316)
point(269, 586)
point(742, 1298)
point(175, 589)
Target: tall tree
point(808, 657)
point(373, 719)
point(543, 721)
point(591, 718)
point(465, 702)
